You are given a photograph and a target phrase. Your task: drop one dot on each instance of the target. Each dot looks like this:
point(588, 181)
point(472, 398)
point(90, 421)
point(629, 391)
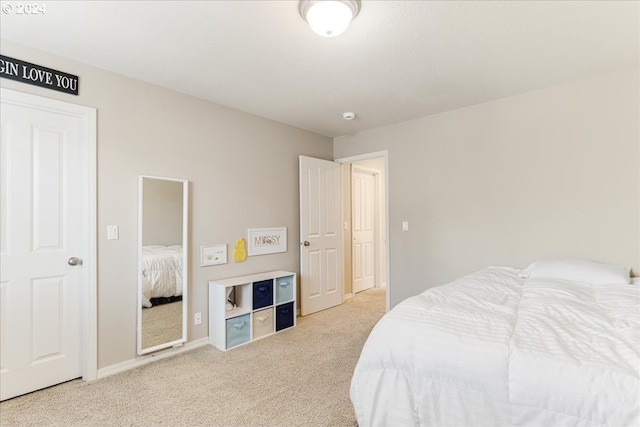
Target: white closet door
point(363, 207)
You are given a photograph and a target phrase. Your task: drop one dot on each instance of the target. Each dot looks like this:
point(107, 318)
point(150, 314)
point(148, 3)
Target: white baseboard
point(149, 358)
point(348, 296)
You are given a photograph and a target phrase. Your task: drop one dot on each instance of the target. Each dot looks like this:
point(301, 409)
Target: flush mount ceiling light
point(329, 18)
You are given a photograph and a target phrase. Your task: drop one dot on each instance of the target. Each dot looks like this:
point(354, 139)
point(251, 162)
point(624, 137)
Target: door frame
point(385, 156)
point(88, 116)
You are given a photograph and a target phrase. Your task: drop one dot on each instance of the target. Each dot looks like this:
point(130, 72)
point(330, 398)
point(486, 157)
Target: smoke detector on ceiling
point(348, 115)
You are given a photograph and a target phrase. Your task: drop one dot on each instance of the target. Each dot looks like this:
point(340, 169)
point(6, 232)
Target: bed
point(161, 273)
point(504, 347)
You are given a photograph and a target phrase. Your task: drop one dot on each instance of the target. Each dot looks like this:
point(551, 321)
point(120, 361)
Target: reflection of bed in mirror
point(161, 274)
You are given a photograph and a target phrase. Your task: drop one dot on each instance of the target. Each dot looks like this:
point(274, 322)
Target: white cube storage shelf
point(264, 305)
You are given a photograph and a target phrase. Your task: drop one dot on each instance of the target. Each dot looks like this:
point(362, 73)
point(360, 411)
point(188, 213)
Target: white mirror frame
point(185, 263)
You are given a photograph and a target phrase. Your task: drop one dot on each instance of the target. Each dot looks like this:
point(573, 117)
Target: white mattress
point(494, 349)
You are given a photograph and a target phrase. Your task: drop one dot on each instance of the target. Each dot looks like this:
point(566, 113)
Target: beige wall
point(347, 274)
point(548, 173)
point(243, 172)
point(162, 219)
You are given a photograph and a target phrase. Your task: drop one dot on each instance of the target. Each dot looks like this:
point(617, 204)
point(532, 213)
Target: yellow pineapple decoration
point(239, 253)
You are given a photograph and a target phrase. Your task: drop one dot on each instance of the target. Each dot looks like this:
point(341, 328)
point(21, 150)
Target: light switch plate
point(405, 225)
point(112, 232)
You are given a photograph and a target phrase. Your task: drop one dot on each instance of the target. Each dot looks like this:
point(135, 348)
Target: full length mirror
point(162, 262)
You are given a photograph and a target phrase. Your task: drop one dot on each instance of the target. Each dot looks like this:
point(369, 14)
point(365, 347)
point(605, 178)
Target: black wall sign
point(26, 72)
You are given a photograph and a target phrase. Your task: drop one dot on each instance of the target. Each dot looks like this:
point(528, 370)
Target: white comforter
point(493, 349)
point(161, 272)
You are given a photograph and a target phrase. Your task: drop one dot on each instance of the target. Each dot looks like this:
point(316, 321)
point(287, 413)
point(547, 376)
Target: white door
point(42, 232)
point(363, 208)
point(320, 235)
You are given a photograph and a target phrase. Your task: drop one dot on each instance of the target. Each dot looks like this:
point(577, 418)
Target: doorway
point(326, 273)
point(365, 223)
point(364, 228)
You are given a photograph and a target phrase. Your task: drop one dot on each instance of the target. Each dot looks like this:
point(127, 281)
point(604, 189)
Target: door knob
point(74, 261)
point(306, 243)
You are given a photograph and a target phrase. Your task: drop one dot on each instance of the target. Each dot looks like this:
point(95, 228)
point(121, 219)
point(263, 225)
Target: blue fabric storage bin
point(285, 314)
point(262, 294)
point(238, 330)
point(284, 289)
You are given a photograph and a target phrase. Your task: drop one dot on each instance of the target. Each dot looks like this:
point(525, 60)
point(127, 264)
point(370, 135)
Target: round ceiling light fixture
point(329, 18)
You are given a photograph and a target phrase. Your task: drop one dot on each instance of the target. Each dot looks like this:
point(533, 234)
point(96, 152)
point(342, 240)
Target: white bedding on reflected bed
point(161, 272)
point(495, 349)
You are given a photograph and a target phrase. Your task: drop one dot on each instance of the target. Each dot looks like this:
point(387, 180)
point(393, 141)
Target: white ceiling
point(398, 60)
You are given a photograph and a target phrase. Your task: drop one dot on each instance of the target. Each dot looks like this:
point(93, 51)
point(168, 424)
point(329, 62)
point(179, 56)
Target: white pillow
point(579, 270)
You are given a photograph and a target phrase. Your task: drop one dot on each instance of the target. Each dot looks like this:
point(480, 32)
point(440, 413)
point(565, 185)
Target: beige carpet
point(299, 377)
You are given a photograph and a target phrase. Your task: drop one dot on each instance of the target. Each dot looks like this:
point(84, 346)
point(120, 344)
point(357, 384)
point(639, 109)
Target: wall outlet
point(197, 318)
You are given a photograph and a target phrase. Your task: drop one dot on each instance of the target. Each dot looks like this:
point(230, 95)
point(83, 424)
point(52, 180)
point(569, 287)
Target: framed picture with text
point(262, 241)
